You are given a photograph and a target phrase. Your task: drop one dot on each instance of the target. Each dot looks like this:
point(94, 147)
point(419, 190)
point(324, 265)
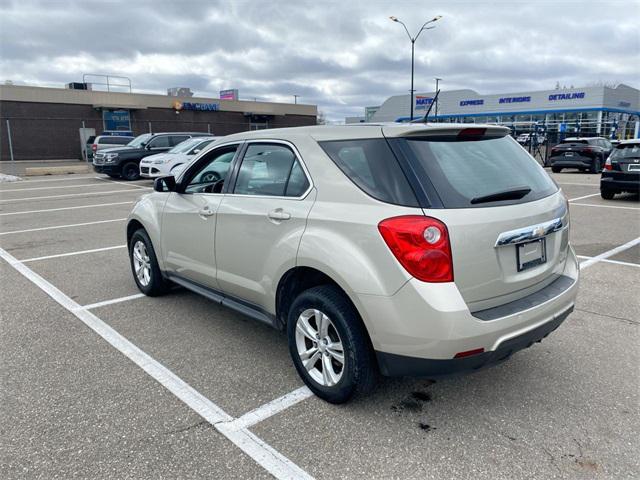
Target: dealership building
point(51, 123)
point(611, 112)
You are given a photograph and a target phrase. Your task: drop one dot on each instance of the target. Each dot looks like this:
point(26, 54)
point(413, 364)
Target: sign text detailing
point(566, 96)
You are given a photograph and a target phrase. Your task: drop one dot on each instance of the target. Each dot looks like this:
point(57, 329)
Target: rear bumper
point(571, 162)
point(620, 181)
point(420, 329)
point(398, 365)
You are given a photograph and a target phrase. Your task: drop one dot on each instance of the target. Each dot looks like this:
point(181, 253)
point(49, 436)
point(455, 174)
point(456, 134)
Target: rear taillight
point(94, 147)
point(607, 164)
point(421, 245)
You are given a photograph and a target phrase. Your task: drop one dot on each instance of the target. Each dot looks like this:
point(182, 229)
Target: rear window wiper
point(513, 194)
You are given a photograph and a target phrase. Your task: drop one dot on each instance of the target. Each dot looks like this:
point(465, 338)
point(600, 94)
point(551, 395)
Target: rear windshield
point(371, 165)
point(115, 140)
point(584, 142)
point(626, 151)
point(467, 173)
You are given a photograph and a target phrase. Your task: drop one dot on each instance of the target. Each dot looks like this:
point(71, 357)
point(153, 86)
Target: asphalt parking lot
point(101, 382)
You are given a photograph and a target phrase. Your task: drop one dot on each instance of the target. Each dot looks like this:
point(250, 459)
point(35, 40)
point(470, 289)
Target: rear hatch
point(574, 148)
point(626, 158)
point(505, 216)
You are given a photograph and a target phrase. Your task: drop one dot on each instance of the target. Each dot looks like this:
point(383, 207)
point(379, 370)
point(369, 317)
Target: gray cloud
point(339, 55)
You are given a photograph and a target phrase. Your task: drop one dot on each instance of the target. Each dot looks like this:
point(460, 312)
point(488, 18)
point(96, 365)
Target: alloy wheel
point(141, 263)
point(319, 347)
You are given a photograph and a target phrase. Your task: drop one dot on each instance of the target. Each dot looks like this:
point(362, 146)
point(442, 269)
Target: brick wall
point(51, 130)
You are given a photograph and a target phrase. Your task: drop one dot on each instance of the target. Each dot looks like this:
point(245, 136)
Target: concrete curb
point(30, 171)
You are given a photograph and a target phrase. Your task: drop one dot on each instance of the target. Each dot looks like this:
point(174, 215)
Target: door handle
point(206, 212)
point(279, 214)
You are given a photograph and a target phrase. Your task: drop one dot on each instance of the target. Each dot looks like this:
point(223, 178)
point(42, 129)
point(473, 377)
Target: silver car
point(421, 250)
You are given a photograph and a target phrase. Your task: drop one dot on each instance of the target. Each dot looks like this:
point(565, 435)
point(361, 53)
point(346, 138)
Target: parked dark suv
point(124, 161)
point(587, 153)
point(622, 171)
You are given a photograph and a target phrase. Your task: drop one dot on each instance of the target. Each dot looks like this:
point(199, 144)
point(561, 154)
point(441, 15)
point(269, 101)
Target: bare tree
point(321, 119)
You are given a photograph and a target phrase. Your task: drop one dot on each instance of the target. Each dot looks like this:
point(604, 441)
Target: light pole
point(413, 43)
point(435, 118)
point(295, 98)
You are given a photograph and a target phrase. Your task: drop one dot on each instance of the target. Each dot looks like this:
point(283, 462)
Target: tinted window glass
point(115, 140)
point(160, 142)
point(176, 139)
point(200, 146)
point(298, 183)
point(626, 151)
point(462, 171)
point(215, 167)
point(91, 139)
point(371, 165)
point(265, 170)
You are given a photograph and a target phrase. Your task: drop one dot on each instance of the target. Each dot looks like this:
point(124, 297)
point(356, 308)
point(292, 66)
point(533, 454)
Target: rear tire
point(556, 169)
point(144, 265)
point(607, 194)
point(321, 321)
point(595, 166)
point(131, 171)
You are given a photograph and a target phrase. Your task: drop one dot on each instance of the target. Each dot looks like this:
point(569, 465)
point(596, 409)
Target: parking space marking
point(616, 262)
point(67, 195)
point(56, 187)
point(62, 226)
point(65, 208)
point(69, 254)
point(123, 183)
point(272, 408)
point(609, 253)
point(585, 196)
point(263, 454)
point(65, 179)
point(111, 302)
point(604, 206)
point(595, 185)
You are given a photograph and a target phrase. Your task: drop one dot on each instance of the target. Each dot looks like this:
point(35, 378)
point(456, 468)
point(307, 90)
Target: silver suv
point(420, 250)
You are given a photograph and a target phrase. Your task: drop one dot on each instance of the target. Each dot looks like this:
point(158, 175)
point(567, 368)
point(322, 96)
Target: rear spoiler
point(441, 129)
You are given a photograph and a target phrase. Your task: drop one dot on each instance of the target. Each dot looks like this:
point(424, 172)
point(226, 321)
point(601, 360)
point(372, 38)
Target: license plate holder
point(531, 254)
point(633, 167)
point(568, 154)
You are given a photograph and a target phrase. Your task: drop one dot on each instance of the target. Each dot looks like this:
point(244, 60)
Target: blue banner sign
point(116, 119)
point(203, 107)
point(566, 96)
point(514, 99)
point(464, 103)
point(422, 102)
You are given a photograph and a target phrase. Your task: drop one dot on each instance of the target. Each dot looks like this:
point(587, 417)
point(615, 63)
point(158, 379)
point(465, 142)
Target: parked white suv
point(171, 162)
point(401, 249)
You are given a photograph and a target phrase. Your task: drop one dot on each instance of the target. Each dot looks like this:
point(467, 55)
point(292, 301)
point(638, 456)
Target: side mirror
point(165, 184)
point(196, 151)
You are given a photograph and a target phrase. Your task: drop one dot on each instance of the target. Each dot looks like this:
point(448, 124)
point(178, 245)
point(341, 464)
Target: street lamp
point(435, 119)
point(413, 42)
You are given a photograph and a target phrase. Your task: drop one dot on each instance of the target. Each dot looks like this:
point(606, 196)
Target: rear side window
point(176, 139)
point(270, 169)
point(371, 165)
point(463, 171)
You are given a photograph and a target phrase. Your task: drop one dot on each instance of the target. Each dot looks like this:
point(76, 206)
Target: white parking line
point(604, 206)
point(56, 187)
point(122, 183)
point(270, 409)
point(585, 196)
point(80, 252)
point(62, 226)
point(111, 302)
point(67, 195)
point(610, 253)
point(616, 262)
point(65, 179)
point(271, 460)
point(65, 208)
point(595, 185)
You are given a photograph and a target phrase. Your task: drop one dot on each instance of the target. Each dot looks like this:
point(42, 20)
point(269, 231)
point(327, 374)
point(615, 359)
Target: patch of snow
point(9, 178)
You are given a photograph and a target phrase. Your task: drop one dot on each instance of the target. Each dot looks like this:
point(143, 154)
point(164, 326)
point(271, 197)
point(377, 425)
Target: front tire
point(595, 166)
point(329, 345)
point(144, 265)
point(131, 171)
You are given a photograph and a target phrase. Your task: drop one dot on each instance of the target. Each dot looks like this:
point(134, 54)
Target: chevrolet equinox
point(420, 249)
